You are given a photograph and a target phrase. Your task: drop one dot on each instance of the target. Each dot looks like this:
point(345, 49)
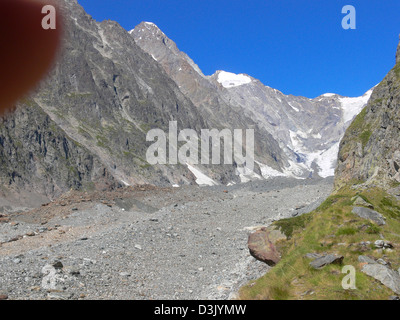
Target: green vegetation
point(288, 225)
point(331, 228)
point(364, 137)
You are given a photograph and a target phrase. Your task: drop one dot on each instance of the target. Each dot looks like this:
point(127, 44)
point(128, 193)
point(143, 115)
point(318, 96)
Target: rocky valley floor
point(146, 242)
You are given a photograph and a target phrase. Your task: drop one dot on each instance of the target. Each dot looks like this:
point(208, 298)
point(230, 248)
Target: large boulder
point(369, 214)
point(262, 245)
point(386, 276)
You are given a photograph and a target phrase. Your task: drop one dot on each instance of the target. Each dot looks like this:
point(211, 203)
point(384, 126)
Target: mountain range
point(85, 127)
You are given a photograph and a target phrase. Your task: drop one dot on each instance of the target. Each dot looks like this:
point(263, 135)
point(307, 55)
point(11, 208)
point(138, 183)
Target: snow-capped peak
point(327, 95)
point(229, 80)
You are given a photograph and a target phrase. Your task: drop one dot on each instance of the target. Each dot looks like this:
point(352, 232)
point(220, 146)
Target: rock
point(369, 214)
point(379, 243)
point(365, 259)
point(73, 271)
point(59, 296)
point(358, 201)
point(386, 276)
point(261, 245)
point(125, 274)
point(42, 229)
point(325, 260)
point(52, 279)
point(3, 297)
point(57, 264)
point(313, 255)
point(382, 262)
point(382, 244)
point(138, 246)
point(394, 298)
point(17, 260)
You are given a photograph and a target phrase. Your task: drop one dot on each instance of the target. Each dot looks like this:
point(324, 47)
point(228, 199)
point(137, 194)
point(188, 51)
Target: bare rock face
point(86, 126)
point(369, 214)
point(369, 151)
point(262, 245)
point(398, 53)
point(385, 275)
point(325, 260)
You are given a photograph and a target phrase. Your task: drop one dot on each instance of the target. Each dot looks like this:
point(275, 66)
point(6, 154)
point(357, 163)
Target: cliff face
point(86, 125)
point(370, 149)
point(35, 154)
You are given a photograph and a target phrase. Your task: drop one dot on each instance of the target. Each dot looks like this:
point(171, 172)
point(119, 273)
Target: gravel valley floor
point(146, 242)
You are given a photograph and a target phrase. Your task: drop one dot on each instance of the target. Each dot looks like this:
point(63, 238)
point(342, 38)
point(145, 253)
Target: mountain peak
point(398, 53)
point(147, 28)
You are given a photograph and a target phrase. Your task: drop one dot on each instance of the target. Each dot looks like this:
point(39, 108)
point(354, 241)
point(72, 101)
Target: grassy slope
point(331, 228)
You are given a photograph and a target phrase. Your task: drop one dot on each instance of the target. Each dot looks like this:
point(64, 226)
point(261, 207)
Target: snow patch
point(247, 175)
point(327, 95)
point(353, 106)
point(125, 183)
point(201, 178)
point(268, 172)
point(326, 160)
point(317, 136)
point(230, 80)
point(293, 107)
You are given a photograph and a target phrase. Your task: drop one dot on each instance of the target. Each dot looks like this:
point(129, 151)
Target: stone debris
point(127, 256)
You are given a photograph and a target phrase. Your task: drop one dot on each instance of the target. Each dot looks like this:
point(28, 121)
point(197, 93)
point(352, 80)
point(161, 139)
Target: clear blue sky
point(296, 46)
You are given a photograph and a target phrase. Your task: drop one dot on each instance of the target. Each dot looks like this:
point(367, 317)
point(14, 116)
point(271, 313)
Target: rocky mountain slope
point(307, 131)
point(369, 151)
point(86, 126)
point(88, 121)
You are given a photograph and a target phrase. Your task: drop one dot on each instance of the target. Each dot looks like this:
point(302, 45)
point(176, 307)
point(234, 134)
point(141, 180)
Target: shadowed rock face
point(37, 155)
point(370, 151)
point(86, 125)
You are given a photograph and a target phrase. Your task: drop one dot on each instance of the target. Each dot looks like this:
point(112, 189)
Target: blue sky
point(296, 46)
